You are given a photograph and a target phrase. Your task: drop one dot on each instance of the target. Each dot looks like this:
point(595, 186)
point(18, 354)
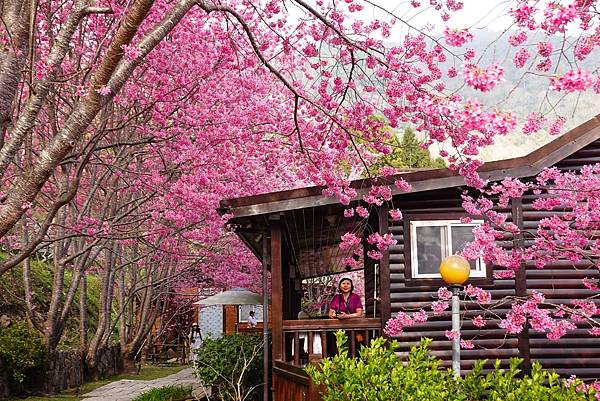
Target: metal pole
point(265, 320)
point(456, 329)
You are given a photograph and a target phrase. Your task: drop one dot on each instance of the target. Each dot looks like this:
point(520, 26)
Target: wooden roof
point(424, 180)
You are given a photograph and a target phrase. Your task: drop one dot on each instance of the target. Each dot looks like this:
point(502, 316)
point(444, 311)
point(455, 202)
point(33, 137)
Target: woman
point(252, 319)
point(346, 304)
point(195, 338)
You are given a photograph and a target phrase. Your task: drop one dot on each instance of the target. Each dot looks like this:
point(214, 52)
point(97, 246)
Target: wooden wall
point(410, 297)
point(577, 353)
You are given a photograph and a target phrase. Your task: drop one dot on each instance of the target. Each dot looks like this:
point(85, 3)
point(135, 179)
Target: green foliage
point(11, 296)
point(167, 393)
point(23, 352)
point(413, 156)
point(406, 154)
point(378, 374)
point(233, 364)
point(511, 385)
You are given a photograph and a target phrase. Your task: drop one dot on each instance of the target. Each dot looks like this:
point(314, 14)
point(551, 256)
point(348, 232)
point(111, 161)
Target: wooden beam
point(265, 269)
point(384, 270)
point(521, 284)
point(329, 324)
point(276, 290)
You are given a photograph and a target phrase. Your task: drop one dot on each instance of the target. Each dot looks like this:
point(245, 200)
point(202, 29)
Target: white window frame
point(480, 270)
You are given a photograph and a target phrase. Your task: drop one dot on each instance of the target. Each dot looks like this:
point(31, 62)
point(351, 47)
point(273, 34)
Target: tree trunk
point(28, 117)
point(106, 298)
point(16, 15)
point(83, 315)
point(26, 188)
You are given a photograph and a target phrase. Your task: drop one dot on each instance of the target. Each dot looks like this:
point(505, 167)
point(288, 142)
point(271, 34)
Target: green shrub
point(233, 365)
point(378, 374)
point(167, 393)
point(23, 352)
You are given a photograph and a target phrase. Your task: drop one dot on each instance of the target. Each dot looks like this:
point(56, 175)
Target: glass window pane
point(461, 236)
point(429, 249)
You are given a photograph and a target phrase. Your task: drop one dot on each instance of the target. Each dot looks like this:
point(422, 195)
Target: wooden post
point(521, 284)
point(265, 268)
point(276, 291)
point(384, 270)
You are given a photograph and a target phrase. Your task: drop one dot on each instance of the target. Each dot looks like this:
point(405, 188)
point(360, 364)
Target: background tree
point(405, 154)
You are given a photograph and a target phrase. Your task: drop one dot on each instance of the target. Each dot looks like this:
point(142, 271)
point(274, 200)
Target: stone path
point(126, 390)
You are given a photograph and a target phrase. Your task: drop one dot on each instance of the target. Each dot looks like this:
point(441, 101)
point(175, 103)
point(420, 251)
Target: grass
point(148, 372)
point(167, 393)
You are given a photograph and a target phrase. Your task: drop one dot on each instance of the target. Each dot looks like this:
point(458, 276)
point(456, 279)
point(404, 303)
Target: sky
point(478, 14)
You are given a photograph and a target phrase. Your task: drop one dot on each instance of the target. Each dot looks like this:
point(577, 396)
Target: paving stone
point(126, 390)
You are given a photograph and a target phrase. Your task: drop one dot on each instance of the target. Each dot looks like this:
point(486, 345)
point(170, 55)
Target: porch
point(309, 341)
point(298, 247)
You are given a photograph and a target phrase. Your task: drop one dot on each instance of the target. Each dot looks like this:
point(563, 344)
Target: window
point(244, 310)
point(433, 240)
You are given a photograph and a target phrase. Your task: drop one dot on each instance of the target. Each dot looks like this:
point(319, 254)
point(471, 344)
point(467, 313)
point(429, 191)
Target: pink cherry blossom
point(534, 123)
point(396, 325)
point(438, 307)
point(479, 321)
point(572, 81)
point(103, 91)
point(395, 214)
point(545, 49)
point(557, 125)
point(457, 37)
point(444, 294)
point(518, 38)
point(350, 241)
point(521, 57)
point(591, 284)
point(482, 79)
point(452, 335)
point(362, 212)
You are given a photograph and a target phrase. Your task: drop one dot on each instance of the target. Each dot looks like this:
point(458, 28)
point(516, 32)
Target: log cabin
point(296, 234)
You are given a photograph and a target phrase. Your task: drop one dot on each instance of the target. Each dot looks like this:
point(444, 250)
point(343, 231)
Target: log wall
point(577, 353)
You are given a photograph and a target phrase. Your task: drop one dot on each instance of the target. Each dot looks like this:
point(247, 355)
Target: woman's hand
point(344, 315)
point(332, 314)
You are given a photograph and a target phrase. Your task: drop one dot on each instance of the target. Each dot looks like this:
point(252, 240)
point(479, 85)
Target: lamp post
point(455, 271)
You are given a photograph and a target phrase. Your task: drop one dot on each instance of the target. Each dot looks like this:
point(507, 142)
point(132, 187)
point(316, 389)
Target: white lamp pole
point(455, 271)
point(456, 329)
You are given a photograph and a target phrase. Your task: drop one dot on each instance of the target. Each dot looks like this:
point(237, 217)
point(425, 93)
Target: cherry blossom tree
point(123, 124)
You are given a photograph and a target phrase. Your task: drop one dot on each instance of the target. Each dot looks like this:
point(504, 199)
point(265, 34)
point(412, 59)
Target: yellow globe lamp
point(455, 270)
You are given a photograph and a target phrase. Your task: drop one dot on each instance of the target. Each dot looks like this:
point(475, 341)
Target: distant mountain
point(526, 90)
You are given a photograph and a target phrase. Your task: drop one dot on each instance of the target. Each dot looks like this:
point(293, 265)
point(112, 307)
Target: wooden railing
point(311, 340)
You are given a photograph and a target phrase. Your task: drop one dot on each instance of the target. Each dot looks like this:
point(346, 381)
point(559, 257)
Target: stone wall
point(67, 369)
point(110, 363)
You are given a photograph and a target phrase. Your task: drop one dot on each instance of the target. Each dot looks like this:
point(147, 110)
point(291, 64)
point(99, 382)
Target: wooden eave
point(424, 180)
